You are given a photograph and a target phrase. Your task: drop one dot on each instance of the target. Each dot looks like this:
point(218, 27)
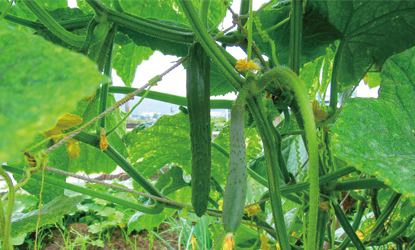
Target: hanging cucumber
point(235, 191)
point(198, 103)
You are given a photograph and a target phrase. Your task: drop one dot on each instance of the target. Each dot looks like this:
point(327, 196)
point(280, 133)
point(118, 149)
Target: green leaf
point(58, 159)
point(40, 83)
point(91, 160)
point(376, 135)
point(219, 85)
point(178, 190)
point(318, 33)
point(317, 74)
point(49, 214)
point(140, 221)
point(127, 58)
point(372, 32)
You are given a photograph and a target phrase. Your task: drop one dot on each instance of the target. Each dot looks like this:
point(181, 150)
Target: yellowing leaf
point(360, 235)
point(103, 144)
point(193, 242)
point(65, 122)
point(228, 244)
point(319, 113)
point(73, 148)
point(324, 206)
point(264, 241)
point(253, 210)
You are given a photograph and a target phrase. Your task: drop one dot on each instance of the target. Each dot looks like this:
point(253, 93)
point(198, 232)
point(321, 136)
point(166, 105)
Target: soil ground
point(55, 240)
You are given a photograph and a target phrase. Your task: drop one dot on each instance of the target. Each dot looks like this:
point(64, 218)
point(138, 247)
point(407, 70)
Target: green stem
point(250, 26)
point(53, 26)
point(143, 25)
point(278, 140)
point(8, 215)
point(210, 46)
point(203, 13)
point(243, 10)
point(356, 222)
point(174, 99)
point(373, 193)
point(335, 77)
point(306, 112)
point(256, 107)
point(359, 184)
point(86, 191)
point(346, 226)
point(106, 47)
point(89, 36)
point(379, 225)
point(117, 6)
point(105, 86)
point(9, 6)
point(296, 34)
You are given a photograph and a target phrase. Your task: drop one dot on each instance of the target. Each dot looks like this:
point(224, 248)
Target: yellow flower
point(319, 113)
point(242, 65)
point(220, 205)
point(228, 244)
point(278, 246)
point(360, 235)
point(264, 241)
point(253, 210)
point(103, 144)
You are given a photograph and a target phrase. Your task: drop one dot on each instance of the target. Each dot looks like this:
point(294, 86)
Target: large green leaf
point(377, 135)
point(372, 32)
point(49, 214)
point(40, 82)
point(140, 221)
point(317, 34)
point(127, 58)
point(167, 142)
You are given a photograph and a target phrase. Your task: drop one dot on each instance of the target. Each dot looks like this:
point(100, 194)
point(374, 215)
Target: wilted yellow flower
point(264, 241)
point(242, 65)
point(66, 121)
point(228, 244)
point(220, 205)
point(73, 148)
point(360, 235)
point(253, 210)
point(103, 144)
point(319, 113)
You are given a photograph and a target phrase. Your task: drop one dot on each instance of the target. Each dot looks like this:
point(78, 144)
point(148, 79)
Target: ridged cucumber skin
point(198, 104)
point(236, 186)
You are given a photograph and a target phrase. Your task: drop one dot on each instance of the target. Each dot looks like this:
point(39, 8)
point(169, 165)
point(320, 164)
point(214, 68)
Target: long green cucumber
point(198, 103)
point(235, 191)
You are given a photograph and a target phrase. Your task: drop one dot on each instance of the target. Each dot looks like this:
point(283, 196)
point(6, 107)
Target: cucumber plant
point(54, 57)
